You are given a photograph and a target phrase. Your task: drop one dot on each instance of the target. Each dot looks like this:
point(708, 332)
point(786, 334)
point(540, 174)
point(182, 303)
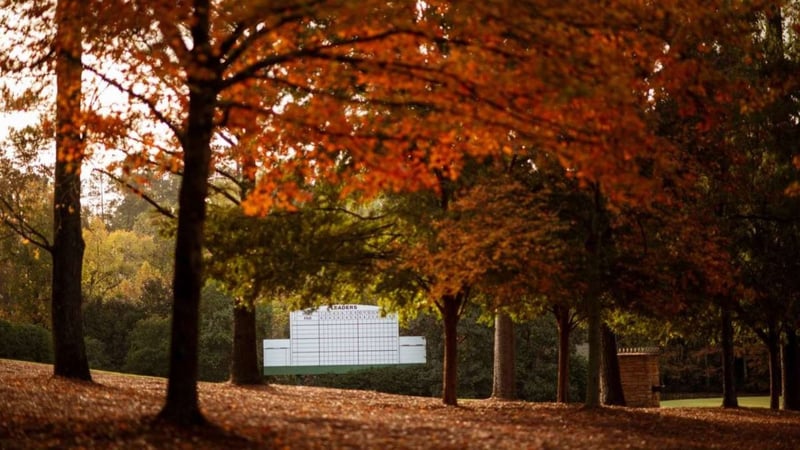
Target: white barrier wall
point(343, 335)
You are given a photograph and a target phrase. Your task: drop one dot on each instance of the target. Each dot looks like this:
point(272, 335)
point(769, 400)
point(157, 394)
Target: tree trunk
point(182, 406)
point(450, 309)
point(774, 349)
point(791, 370)
point(68, 245)
point(594, 247)
point(612, 381)
point(564, 329)
point(244, 365)
point(595, 343)
point(729, 399)
point(504, 379)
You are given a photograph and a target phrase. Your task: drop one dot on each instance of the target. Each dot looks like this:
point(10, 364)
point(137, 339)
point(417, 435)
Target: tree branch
point(162, 210)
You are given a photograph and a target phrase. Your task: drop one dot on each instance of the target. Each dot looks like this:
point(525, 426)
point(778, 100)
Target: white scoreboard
point(341, 338)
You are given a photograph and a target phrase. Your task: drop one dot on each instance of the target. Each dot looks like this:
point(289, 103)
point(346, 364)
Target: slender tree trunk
point(182, 406)
point(564, 329)
point(504, 380)
point(612, 381)
point(729, 399)
point(790, 356)
point(594, 247)
point(595, 349)
point(68, 244)
point(244, 364)
point(774, 349)
point(450, 309)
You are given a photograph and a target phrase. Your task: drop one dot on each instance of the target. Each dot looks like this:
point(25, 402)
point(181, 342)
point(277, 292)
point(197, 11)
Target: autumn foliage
point(39, 411)
point(553, 154)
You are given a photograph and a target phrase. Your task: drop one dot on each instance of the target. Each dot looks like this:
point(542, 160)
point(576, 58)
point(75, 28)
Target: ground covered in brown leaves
point(116, 411)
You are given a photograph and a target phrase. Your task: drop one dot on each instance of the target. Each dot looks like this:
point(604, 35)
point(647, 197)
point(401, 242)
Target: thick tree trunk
point(595, 350)
point(244, 364)
point(564, 329)
point(182, 406)
point(68, 245)
point(612, 381)
point(503, 378)
point(774, 349)
point(450, 309)
point(790, 356)
point(729, 399)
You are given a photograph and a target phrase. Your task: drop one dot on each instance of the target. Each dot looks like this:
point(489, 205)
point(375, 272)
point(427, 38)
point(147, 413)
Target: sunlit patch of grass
point(748, 402)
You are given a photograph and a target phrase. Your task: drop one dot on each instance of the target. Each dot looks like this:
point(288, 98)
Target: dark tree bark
point(595, 243)
point(729, 399)
point(68, 245)
point(594, 338)
point(450, 308)
point(790, 355)
point(203, 77)
point(244, 364)
point(612, 381)
point(774, 348)
point(564, 329)
point(503, 377)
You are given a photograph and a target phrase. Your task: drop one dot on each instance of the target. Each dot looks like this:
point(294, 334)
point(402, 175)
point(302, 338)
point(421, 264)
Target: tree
point(566, 321)
point(504, 380)
point(68, 245)
point(25, 209)
point(616, 162)
point(459, 244)
point(612, 382)
point(790, 362)
point(240, 62)
point(23, 23)
point(325, 250)
point(729, 399)
point(746, 177)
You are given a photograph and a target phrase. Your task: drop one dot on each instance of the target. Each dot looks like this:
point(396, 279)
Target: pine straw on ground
point(117, 411)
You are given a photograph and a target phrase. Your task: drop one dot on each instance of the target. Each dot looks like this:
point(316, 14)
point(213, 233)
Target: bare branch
point(162, 210)
point(161, 117)
point(17, 223)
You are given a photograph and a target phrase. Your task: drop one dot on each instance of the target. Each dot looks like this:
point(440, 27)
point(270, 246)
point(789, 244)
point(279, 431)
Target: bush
point(96, 353)
point(25, 342)
point(148, 353)
point(216, 334)
point(109, 321)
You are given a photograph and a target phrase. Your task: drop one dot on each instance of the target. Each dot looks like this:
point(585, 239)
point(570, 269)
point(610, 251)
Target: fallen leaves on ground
point(117, 411)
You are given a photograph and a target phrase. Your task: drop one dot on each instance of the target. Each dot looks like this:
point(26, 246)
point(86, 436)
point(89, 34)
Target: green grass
point(749, 402)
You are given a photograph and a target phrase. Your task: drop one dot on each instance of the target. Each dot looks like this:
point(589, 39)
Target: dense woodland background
point(126, 321)
point(513, 178)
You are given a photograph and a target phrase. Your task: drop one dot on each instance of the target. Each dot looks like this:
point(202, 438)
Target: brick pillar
point(639, 372)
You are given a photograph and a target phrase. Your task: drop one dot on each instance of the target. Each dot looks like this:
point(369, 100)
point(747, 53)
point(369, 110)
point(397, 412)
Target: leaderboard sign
point(341, 338)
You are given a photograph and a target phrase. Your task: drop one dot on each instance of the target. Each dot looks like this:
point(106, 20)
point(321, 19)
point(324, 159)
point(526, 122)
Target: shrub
point(26, 342)
point(148, 353)
point(96, 353)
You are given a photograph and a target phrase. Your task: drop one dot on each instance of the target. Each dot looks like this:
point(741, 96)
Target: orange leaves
point(493, 237)
point(41, 411)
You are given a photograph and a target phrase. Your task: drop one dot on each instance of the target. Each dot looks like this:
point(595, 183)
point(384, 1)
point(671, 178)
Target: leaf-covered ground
point(116, 411)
